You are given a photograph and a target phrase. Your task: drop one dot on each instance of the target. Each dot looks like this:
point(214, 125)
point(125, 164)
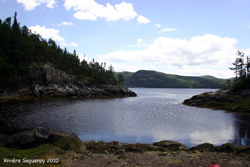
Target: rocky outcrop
point(37, 136)
point(171, 145)
point(47, 74)
point(67, 141)
point(203, 147)
point(76, 90)
point(222, 99)
point(51, 82)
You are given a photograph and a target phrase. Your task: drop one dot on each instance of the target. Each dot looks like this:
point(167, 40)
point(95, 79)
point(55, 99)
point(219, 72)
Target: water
point(154, 115)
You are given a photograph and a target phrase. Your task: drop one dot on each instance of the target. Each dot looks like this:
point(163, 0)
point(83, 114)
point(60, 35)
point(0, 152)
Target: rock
point(30, 138)
point(67, 141)
point(120, 152)
point(171, 145)
point(244, 149)
point(229, 148)
point(36, 91)
point(37, 136)
point(196, 151)
point(203, 147)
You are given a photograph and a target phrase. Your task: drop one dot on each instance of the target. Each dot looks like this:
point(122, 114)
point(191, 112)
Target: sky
point(183, 37)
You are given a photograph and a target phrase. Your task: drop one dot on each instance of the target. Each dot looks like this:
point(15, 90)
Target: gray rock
point(203, 147)
point(120, 152)
point(171, 145)
point(229, 148)
point(29, 138)
point(67, 141)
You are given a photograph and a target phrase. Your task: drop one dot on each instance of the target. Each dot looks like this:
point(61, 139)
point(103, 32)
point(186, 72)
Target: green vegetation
point(237, 104)
point(38, 152)
point(19, 48)
point(125, 74)
point(153, 79)
point(242, 71)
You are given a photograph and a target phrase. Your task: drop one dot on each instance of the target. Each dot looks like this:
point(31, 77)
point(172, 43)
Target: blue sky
point(184, 37)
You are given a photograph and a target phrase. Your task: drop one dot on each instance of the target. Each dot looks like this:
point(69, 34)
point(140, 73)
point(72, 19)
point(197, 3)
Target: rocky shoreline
point(231, 101)
point(51, 82)
point(71, 90)
point(71, 151)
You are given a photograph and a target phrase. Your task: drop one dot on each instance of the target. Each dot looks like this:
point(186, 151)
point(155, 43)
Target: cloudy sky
point(184, 37)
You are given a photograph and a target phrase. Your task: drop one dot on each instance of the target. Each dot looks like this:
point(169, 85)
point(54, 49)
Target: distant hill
point(125, 74)
point(154, 79)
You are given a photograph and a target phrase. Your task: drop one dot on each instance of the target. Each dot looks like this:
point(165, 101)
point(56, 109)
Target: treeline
point(242, 72)
point(19, 47)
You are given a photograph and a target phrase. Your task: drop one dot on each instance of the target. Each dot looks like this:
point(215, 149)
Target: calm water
point(156, 114)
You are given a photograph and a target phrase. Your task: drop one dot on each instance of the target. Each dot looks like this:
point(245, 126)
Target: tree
point(239, 65)
point(121, 79)
point(242, 72)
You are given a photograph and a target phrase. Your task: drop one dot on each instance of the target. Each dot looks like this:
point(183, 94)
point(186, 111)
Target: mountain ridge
point(155, 79)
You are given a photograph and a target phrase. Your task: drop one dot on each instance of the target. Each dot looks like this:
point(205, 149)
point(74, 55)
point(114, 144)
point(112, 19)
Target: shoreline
point(67, 91)
point(68, 150)
point(227, 100)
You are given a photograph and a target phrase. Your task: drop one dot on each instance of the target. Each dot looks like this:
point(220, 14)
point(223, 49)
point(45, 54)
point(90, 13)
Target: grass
point(40, 152)
point(237, 105)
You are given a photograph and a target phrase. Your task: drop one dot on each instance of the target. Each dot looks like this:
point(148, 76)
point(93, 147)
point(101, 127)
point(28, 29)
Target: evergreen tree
point(19, 48)
point(242, 72)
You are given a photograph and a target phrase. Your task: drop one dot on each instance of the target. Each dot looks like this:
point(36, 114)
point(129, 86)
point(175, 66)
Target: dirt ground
point(157, 159)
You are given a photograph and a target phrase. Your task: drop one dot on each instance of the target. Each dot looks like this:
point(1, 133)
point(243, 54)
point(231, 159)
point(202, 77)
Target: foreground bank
point(39, 147)
point(231, 101)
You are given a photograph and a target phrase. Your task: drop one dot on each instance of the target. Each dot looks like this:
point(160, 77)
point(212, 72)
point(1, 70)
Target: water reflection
point(156, 114)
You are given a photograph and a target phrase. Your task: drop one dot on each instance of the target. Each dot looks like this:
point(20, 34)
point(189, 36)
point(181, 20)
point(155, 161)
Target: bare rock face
point(47, 74)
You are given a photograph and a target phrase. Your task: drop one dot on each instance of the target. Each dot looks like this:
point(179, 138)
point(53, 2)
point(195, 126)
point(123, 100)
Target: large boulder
point(203, 147)
point(171, 145)
point(229, 148)
point(30, 138)
point(37, 136)
point(67, 141)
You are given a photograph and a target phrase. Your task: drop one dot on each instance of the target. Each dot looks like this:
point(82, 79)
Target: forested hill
point(154, 79)
point(19, 48)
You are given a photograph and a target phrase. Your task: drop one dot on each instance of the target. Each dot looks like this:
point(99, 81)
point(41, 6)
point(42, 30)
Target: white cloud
point(47, 33)
point(143, 20)
point(84, 57)
point(65, 44)
point(168, 29)
point(53, 34)
point(65, 23)
point(85, 16)
point(165, 29)
point(73, 44)
point(158, 25)
point(91, 10)
point(139, 41)
point(32, 4)
point(201, 55)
